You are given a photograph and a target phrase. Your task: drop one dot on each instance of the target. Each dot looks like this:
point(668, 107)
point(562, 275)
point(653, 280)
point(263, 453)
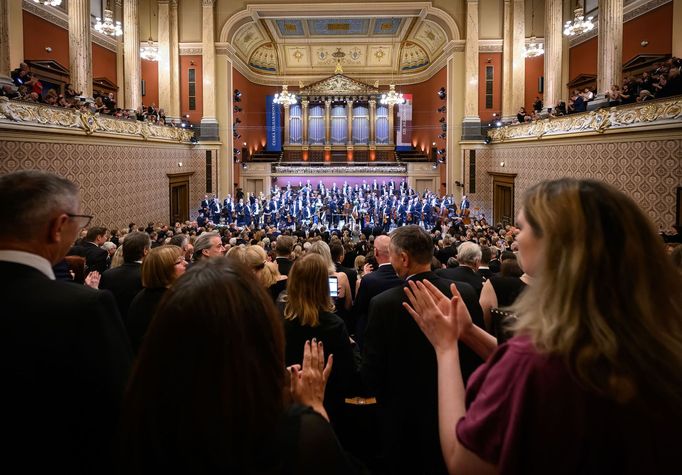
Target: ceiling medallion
point(108, 26)
point(285, 97)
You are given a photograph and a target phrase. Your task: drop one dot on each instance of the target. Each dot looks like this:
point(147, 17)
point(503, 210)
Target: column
point(304, 108)
point(565, 56)
point(327, 122)
point(209, 124)
point(391, 125)
point(80, 47)
point(553, 53)
point(131, 52)
point(11, 39)
point(519, 58)
point(286, 124)
point(163, 64)
point(508, 112)
point(372, 121)
point(349, 119)
point(471, 125)
point(120, 74)
point(677, 28)
point(174, 52)
point(610, 45)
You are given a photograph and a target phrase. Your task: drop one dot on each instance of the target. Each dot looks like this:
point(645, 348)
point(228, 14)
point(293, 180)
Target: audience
point(606, 352)
point(160, 268)
point(65, 355)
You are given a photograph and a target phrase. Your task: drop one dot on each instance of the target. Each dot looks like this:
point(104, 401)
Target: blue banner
point(273, 125)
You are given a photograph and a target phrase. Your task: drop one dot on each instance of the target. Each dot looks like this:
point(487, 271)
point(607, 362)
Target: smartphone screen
point(333, 286)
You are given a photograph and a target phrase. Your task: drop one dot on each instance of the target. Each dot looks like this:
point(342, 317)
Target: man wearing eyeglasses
point(64, 353)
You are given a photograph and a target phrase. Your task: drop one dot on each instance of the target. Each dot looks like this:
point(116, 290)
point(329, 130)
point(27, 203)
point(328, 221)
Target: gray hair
point(469, 253)
point(203, 242)
point(322, 248)
point(29, 199)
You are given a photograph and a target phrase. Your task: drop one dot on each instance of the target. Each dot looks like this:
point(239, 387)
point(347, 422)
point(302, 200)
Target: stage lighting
point(444, 126)
point(441, 93)
point(237, 95)
point(442, 136)
point(236, 109)
point(498, 123)
point(442, 109)
point(487, 140)
point(236, 151)
point(441, 120)
point(193, 140)
point(237, 135)
point(440, 151)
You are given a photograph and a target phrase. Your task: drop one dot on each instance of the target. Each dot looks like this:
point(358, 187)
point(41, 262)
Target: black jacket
point(124, 282)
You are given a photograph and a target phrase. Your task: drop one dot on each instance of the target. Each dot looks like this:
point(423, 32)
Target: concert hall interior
point(491, 91)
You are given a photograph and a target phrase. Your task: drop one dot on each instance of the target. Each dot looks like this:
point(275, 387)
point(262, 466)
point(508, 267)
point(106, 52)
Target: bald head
point(381, 244)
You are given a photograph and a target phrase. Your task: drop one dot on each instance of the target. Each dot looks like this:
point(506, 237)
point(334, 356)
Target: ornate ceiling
point(284, 45)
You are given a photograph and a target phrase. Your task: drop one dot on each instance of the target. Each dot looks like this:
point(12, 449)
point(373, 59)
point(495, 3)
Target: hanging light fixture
point(150, 51)
point(534, 48)
point(580, 24)
point(108, 26)
point(392, 97)
point(285, 97)
point(49, 3)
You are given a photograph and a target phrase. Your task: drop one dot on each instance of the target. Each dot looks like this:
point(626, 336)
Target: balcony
point(657, 114)
point(25, 115)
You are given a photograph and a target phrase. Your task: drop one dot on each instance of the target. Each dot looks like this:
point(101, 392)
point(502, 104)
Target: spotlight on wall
point(236, 109)
point(49, 49)
point(237, 97)
point(442, 109)
point(442, 136)
point(440, 151)
point(441, 93)
point(237, 135)
point(498, 123)
point(644, 44)
point(236, 151)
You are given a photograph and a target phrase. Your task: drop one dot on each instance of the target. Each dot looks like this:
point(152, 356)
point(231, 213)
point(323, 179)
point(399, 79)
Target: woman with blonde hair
point(309, 315)
point(592, 381)
point(344, 298)
point(266, 272)
point(161, 266)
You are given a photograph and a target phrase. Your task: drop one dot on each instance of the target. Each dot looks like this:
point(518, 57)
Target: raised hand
point(308, 382)
point(92, 279)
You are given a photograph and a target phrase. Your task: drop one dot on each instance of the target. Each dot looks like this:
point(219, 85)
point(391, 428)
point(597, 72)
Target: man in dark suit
point(283, 249)
point(373, 284)
point(64, 354)
point(96, 258)
point(126, 281)
point(469, 258)
point(400, 364)
point(484, 268)
point(449, 250)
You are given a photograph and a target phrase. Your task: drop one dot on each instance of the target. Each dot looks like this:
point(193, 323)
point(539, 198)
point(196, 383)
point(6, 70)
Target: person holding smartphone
point(309, 313)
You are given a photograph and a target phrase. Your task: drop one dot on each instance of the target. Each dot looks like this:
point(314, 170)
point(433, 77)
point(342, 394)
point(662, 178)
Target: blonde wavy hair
point(605, 295)
point(321, 248)
point(257, 259)
point(308, 290)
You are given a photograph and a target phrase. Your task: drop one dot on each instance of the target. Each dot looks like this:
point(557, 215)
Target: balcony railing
point(57, 118)
point(657, 113)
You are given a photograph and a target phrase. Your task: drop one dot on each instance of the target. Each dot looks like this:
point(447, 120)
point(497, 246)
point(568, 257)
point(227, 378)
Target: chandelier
point(285, 97)
point(108, 27)
point(579, 25)
point(49, 3)
point(534, 48)
point(392, 98)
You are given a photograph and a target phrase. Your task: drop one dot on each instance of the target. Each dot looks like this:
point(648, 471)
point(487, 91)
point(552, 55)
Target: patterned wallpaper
point(119, 183)
point(647, 170)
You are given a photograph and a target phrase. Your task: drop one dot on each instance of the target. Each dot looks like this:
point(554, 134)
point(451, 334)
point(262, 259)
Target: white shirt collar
point(28, 259)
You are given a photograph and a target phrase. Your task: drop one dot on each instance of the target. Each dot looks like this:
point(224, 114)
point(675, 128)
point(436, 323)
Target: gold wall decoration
point(657, 113)
point(26, 113)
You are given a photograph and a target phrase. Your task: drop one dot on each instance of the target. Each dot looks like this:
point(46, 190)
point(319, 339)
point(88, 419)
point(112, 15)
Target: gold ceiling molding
point(41, 117)
point(245, 37)
point(659, 113)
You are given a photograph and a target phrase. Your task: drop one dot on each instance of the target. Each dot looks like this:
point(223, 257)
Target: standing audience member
point(64, 354)
point(399, 364)
point(283, 249)
point(208, 392)
point(160, 268)
point(96, 258)
point(266, 272)
point(125, 281)
point(607, 352)
point(309, 315)
point(469, 258)
point(208, 245)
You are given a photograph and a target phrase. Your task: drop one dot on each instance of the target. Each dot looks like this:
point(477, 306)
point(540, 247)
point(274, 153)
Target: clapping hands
point(308, 382)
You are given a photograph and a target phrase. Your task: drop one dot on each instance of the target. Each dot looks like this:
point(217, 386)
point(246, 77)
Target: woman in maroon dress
point(592, 381)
